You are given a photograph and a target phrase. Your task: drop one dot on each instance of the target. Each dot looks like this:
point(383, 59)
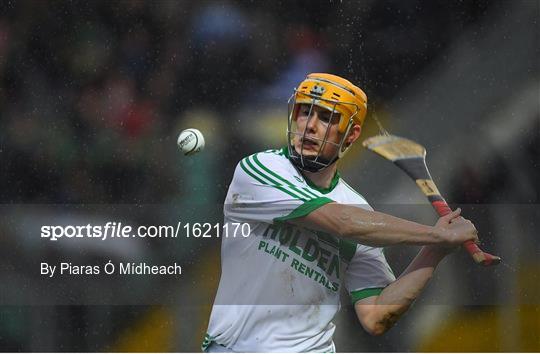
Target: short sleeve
point(267, 188)
point(368, 273)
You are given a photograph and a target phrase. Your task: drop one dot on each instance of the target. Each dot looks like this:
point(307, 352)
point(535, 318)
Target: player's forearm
point(396, 298)
point(373, 228)
point(413, 280)
point(378, 229)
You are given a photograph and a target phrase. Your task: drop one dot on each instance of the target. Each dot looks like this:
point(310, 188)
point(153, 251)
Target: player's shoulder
point(273, 163)
point(352, 196)
point(270, 158)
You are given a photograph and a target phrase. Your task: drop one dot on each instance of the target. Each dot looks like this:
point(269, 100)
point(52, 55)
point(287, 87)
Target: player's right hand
point(453, 230)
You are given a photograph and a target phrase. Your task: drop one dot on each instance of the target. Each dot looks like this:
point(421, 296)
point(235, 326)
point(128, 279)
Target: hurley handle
point(410, 157)
point(476, 253)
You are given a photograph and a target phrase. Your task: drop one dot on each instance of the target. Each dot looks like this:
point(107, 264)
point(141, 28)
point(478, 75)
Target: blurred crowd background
point(94, 94)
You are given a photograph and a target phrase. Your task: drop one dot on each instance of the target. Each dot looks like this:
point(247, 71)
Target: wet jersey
point(279, 287)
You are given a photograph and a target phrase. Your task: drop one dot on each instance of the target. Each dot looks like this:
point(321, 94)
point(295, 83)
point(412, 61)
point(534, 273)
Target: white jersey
point(279, 287)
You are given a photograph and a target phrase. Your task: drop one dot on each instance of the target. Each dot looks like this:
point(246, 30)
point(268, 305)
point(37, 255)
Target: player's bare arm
point(378, 314)
point(378, 229)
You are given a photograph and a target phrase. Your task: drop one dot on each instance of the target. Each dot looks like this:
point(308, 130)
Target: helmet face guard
point(336, 95)
point(318, 162)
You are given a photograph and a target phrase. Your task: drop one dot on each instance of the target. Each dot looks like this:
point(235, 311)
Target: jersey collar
point(330, 188)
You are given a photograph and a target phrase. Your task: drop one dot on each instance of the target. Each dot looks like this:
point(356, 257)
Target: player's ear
point(354, 134)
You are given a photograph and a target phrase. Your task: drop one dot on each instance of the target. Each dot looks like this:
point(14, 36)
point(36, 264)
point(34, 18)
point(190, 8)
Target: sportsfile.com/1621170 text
point(113, 229)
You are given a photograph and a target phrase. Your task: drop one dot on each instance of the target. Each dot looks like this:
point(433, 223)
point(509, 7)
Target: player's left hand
point(454, 217)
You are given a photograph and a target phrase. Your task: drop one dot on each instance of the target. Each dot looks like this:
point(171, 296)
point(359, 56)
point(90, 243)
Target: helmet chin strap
point(308, 163)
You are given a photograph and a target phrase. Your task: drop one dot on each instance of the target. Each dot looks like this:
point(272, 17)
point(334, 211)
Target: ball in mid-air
point(190, 141)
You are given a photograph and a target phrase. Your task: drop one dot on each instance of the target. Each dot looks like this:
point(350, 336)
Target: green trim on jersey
point(305, 209)
point(207, 341)
point(245, 163)
point(333, 183)
point(276, 151)
point(362, 294)
point(322, 190)
point(307, 193)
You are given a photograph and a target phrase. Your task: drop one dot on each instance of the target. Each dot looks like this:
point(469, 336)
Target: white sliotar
point(190, 141)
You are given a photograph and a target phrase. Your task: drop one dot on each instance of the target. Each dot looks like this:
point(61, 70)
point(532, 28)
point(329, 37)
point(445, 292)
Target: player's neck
point(322, 179)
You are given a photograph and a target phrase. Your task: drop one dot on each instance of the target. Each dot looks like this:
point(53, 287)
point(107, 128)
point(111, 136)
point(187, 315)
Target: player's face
point(312, 122)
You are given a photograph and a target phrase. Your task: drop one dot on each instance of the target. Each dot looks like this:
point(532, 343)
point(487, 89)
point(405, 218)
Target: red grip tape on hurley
point(443, 209)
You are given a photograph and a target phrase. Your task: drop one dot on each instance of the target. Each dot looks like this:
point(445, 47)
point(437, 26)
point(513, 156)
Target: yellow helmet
point(339, 96)
point(336, 94)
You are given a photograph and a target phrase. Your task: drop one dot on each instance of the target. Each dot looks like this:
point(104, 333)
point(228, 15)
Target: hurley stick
point(411, 158)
